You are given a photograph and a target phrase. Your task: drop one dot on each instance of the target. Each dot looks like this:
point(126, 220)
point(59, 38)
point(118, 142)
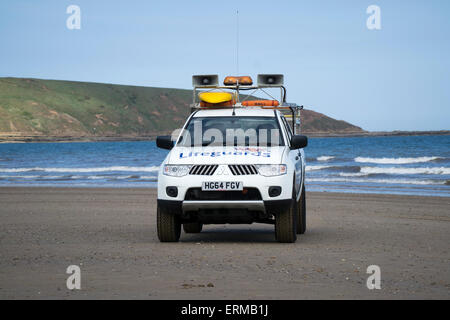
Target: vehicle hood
point(226, 155)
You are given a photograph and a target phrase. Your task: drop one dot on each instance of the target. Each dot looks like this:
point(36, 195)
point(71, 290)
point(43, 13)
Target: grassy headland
point(53, 110)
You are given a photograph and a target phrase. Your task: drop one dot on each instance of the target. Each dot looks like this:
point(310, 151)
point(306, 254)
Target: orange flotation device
point(204, 104)
point(244, 81)
point(261, 103)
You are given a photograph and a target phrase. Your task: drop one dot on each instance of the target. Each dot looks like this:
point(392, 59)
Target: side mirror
point(164, 142)
point(298, 142)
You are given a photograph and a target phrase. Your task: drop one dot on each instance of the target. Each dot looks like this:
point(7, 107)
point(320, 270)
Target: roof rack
point(243, 83)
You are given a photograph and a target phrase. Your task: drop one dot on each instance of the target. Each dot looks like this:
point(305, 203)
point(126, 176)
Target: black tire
point(286, 224)
point(301, 213)
point(193, 227)
point(168, 225)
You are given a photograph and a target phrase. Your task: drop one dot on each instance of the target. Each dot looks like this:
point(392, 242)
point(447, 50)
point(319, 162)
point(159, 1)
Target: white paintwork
point(224, 156)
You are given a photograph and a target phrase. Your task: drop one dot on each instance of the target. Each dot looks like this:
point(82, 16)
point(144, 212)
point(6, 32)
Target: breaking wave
point(334, 168)
point(353, 174)
point(78, 177)
point(376, 170)
point(84, 170)
point(383, 181)
point(396, 160)
point(325, 158)
point(319, 167)
point(20, 177)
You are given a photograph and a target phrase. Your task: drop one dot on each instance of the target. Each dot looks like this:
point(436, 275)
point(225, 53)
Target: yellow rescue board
point(215, 97)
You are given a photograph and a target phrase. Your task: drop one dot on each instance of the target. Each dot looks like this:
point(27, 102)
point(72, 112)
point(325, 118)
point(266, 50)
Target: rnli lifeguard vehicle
point(237, 160)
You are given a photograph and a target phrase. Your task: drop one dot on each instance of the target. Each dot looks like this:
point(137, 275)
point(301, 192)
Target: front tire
point(168, 225)
point(193, 227)
point(286, 224)
point(301, 213)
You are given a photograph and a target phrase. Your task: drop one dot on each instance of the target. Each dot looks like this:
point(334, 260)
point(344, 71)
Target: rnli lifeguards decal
point(252, 152)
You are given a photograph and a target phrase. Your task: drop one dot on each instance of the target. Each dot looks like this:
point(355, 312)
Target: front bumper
point(269, 207)
point(252, 205)
point(251, 181)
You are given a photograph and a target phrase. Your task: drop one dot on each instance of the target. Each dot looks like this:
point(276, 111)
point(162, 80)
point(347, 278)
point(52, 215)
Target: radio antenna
point(237, 42)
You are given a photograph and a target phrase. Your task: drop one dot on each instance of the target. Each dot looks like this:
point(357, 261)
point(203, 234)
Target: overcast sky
point(396, 78)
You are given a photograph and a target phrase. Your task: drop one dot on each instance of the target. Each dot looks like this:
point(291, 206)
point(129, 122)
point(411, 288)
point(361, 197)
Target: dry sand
point(111, 235)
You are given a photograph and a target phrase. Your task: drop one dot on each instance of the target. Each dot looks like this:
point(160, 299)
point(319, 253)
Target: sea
point(406, 165)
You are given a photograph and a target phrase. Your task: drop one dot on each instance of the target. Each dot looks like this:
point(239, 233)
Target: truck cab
point(235, 161)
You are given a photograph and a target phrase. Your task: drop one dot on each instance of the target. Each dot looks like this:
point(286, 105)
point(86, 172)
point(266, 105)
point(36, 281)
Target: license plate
point(222, 186)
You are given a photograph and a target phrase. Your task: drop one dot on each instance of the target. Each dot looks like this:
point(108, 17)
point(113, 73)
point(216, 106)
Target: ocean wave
point(149, 178)
point(319, 167)
point(335, 168)
point(20, 177)
point(353, 174)
point(83, 170)
point(76, 177)
point(41, 177)
point(376, 170)
point(129, 177)
point(396, 160)
point(383, 181)
point(325, 158)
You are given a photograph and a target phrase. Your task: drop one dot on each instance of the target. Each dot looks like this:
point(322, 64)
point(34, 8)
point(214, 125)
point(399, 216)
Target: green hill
point(32, 109)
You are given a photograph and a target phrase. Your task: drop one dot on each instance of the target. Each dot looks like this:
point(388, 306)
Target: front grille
point(203, 170)
point(248, 194)
point(243, 169)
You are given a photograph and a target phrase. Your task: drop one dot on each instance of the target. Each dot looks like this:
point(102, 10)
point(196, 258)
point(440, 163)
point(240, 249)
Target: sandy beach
point(111, 235)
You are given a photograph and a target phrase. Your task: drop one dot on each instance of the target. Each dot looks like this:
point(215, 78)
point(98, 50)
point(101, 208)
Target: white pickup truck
point(234, 161)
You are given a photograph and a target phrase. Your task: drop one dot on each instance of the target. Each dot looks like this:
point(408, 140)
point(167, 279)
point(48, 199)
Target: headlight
point(176, 170)
point(271, 170)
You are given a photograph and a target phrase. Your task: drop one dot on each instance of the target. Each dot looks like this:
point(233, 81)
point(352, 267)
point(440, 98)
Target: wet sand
point(111, 235)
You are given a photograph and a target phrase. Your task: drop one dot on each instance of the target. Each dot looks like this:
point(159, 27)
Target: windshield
point(232, 131)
